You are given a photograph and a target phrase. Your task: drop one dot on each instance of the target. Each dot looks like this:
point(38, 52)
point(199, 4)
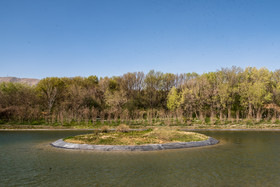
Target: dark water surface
point(241, 159)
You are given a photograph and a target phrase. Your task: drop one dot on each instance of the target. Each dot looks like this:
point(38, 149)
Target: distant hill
point(20, 80)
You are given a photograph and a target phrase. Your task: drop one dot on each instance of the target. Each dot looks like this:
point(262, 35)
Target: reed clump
point(122, 128)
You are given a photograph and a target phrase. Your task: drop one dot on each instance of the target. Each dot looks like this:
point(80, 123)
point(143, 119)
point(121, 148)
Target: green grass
point(156, 136)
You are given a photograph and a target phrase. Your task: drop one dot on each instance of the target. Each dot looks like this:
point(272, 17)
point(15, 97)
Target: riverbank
point(185, 127)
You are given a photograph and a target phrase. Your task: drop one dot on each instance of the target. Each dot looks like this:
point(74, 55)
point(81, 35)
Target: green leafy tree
point(173, 99)
point(50, 89)
point(253, 91)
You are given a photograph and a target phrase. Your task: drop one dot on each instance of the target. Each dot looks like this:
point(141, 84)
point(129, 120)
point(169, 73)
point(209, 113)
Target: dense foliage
point(229, 94)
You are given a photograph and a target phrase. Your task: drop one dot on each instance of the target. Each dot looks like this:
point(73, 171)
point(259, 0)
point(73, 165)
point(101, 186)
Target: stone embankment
point(149, 147)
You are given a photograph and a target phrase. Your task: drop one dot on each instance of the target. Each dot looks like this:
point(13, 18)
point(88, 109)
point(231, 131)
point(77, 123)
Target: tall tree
point(50, 89)
point(153, 87)
point(173, 99)
point(253, 91)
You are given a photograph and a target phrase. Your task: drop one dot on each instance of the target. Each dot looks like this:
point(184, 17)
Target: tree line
point(228, 94)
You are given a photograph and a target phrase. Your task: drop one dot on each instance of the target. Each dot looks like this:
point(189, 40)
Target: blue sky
point(41, 38)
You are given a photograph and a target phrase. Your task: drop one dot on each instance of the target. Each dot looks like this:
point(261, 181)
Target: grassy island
point(127, 137)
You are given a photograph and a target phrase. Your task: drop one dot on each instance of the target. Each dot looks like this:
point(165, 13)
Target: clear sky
point(40, 38)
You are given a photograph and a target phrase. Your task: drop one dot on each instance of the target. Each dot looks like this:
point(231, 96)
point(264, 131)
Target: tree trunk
point(274, 116)
point(259, 114)
point(213, 116)
point(229, 113)
point(201, 117)
point(250, 112)
point(269, 116)
point(196, 115)
point(221, 115)
point(237, 115)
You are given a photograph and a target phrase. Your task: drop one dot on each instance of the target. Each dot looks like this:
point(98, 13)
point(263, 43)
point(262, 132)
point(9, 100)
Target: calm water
point(241, 159)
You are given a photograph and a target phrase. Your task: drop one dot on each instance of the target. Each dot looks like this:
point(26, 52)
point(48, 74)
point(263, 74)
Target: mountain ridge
point(29, 81)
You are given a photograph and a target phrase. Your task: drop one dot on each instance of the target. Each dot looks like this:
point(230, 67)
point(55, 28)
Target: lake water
point(241, 159)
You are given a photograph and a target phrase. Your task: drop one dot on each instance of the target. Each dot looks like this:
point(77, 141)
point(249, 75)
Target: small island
point(124, 139)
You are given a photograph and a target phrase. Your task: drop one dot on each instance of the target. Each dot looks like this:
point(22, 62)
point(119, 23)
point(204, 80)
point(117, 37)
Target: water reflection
point(241, 159)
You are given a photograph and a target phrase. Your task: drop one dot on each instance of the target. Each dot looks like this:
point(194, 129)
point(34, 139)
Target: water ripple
point(241, 159)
